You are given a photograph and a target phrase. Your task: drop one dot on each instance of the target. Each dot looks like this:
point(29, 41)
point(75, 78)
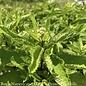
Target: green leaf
point(84, 71)
point(78, 79)
point(49, 64)
point(6, 55)
point(34, 23)
point(60, 76)
point(69, 51)
point(80, 20)
point(46, 36)
point(58, 72)
point(25, 16)
point(36, 53)
point(80, 44)
point(76, 59)
point(36, 76)
point(9, 32)
point(48, 24)
point(0, 62)
point(12, 75)
point(62, 36)
point(14, 63)
point(32, 34)
point(75, 66)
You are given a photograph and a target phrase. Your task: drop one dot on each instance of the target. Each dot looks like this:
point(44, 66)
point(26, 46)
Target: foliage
point(43, 45)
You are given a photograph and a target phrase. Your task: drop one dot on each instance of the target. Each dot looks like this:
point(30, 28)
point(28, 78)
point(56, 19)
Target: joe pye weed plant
point(43, 45)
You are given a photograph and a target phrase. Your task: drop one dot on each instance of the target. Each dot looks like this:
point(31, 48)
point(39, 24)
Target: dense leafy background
point(42, 43)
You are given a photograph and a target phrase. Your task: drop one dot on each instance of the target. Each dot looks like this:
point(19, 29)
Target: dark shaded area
point(6, 55)
point(72, 59)
point(77, 79)
point(11, 75)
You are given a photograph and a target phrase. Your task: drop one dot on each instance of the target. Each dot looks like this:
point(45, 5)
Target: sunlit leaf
point(36, 54)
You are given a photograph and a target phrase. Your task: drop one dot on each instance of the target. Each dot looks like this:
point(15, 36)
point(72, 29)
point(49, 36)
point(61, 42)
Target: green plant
point(43, 45)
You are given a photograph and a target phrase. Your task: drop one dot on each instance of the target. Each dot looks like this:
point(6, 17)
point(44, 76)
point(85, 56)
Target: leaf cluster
point(43, 45)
